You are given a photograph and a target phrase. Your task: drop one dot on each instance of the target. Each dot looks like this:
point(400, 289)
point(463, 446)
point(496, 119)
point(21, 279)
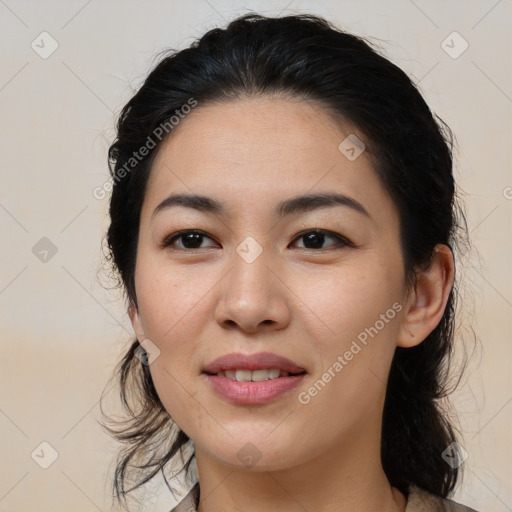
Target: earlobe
point(427, 302)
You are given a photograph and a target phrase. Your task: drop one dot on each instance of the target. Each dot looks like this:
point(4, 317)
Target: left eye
point(315, 239)
point(191, 239)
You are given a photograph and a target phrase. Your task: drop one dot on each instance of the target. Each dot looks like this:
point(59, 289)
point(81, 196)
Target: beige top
point(418, 500)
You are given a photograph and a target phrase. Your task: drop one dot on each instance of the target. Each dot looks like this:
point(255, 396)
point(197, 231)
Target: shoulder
point(420, 500)
point(188, 503)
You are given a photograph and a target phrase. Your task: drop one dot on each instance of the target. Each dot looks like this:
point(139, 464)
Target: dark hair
point(302, 56)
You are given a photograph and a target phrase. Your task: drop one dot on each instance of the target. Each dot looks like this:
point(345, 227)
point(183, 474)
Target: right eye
point(190, 239)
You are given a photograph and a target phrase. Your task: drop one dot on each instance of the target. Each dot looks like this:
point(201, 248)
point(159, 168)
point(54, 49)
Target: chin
point(255, 454)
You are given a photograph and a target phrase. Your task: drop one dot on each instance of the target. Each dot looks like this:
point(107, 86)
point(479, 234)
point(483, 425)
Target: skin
point(296, 300)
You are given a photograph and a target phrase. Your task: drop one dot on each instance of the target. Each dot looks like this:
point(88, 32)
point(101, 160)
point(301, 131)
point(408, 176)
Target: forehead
point(256, 150)
point(255, 129)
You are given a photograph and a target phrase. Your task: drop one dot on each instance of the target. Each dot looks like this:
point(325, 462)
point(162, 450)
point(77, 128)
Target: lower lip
point(253, 393)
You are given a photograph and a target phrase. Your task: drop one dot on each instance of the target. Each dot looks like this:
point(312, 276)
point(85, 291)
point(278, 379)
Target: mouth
point(254, 379)
point(253, 367)
point(246, 375)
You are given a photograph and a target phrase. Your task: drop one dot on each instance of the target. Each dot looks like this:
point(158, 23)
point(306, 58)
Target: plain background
point(62, 332)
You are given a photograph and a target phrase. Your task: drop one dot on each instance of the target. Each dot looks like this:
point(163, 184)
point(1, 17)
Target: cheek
point(354, 331)
point(350, 299)
point(354, 346)
point(174, 307)
point(172, 303)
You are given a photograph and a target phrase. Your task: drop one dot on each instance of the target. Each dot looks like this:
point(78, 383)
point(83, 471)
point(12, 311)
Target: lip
point(258, 361)
point(253, 393)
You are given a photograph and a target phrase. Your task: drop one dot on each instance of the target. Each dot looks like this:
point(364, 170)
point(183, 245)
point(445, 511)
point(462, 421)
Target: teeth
point(243, 375)
point(260, 375)
point(255, 376)
point(274, 373)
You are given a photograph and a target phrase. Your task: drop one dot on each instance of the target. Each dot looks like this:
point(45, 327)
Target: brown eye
point(190, 239)
point(315, 239)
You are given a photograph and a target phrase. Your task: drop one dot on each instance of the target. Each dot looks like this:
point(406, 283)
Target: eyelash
point(342, 241)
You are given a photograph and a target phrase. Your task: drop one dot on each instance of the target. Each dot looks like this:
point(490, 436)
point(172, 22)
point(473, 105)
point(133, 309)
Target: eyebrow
point(292, 206)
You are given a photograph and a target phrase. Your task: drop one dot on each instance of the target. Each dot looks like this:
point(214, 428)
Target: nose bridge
point(251, 294)
point(251, 275)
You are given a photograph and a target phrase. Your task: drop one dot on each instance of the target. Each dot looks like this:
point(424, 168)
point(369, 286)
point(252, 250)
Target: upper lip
point(259, 361)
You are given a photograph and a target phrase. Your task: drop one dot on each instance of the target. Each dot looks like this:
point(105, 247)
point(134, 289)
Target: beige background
point(62, 332)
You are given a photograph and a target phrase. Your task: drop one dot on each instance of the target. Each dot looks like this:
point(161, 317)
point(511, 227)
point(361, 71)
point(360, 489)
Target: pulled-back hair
point(302, 56)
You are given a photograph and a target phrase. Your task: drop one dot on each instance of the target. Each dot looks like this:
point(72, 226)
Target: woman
point(283, 216)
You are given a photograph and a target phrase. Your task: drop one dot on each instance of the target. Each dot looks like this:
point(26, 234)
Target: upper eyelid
point(338, 236)
point(183, 232)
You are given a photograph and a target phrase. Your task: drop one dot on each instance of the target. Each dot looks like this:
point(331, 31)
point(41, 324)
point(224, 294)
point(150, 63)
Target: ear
point(136, 321)
point(427, 302)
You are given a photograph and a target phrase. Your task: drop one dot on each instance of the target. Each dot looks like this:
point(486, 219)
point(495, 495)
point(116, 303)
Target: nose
point(253, 298)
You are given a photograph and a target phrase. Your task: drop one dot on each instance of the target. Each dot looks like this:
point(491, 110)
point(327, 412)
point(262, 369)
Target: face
point(252, 269)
